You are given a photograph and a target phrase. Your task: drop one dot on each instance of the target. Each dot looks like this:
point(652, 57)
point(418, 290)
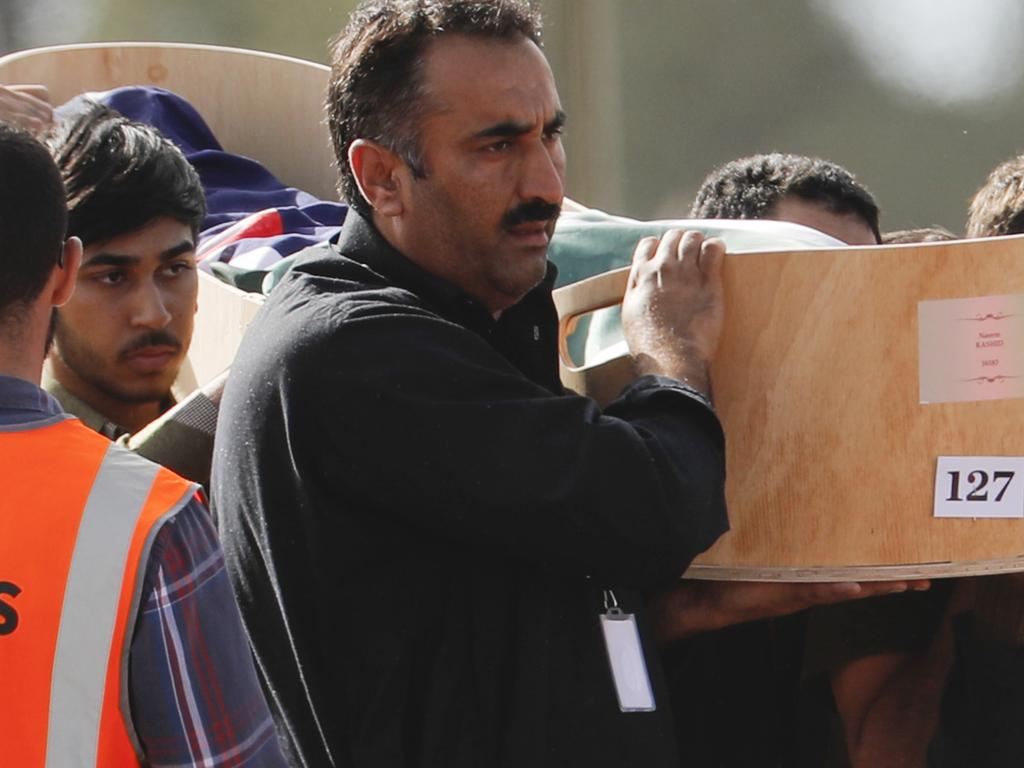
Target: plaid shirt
point(195, 699)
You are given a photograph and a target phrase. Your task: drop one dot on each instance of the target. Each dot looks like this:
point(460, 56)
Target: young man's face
point(495, 168)
point(125, 332)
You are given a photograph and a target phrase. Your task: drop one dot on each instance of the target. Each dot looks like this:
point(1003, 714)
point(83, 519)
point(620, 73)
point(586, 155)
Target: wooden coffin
point(832, 455)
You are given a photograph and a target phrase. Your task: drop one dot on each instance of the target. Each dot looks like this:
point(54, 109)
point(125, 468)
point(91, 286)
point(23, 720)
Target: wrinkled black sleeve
point(461, 444)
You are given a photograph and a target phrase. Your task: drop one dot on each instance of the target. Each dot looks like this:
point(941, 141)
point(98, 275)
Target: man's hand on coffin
point(673, 306)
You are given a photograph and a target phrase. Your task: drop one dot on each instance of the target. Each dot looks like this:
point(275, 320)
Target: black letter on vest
point(8, 616)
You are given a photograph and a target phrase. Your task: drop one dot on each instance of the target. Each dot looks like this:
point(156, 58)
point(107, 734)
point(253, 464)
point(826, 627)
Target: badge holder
point(626, 657)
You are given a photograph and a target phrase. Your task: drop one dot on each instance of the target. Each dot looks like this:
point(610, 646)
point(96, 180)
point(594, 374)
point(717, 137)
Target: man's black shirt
point(420, 522)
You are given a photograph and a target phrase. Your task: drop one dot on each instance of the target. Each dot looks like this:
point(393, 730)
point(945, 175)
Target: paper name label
point(971, 349)
point(979, 486)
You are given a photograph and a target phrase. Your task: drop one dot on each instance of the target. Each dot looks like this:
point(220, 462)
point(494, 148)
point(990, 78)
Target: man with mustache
point(437, 548)
point(137, 205)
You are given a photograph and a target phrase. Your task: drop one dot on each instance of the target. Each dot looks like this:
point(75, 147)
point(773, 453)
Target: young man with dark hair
point(998, 207)
point(801, 190)
point(120, 639)
point(137, 205)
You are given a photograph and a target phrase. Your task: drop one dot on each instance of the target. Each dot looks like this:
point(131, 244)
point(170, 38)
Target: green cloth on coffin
point(590, 242)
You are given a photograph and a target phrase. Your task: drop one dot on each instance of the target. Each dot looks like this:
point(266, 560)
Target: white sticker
point(971, 349)
point(626, 656)
point(979, 486)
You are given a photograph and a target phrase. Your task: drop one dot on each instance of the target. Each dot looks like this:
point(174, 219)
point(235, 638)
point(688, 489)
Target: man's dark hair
point(998, 207)
point(749, 188)
point(33, 219)
point(120, 175)
point(376, 86)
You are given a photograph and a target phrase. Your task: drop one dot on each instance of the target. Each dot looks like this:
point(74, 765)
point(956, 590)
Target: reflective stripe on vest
point(77, 518)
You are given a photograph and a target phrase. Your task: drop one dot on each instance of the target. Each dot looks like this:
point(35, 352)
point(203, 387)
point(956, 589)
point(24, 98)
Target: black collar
point(361, 241)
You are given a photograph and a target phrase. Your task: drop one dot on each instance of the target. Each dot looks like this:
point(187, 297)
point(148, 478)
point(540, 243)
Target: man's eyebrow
point(184, 246)
point(511, 129)
point(104, 259)
point(556, 123)
point(111, 260)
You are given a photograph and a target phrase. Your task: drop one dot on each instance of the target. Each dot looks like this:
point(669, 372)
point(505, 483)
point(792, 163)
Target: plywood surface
point(224, 314)
point(260, 105)
point(831, 458)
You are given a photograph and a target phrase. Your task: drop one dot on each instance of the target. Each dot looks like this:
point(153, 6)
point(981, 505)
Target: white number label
point(979, 486)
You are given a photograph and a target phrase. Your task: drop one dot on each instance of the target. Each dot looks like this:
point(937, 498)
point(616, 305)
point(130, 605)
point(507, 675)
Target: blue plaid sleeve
point(195, 699)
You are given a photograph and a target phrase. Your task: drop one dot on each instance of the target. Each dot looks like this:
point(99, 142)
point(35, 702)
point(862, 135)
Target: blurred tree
point(296, 28)
point(12, 13)
point(697, 83)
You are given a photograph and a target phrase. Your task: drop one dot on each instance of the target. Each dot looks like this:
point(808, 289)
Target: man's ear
point(66, 273)
point(376, 170)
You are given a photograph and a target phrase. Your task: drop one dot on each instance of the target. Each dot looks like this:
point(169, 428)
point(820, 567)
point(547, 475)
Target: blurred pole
point(582, 39)
point(12, 16)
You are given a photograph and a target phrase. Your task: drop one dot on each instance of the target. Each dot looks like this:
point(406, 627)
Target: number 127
point(978, 481)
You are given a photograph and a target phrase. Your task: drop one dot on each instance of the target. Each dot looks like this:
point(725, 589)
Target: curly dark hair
point(376, 88)
point(998, 207)
point(749, 188)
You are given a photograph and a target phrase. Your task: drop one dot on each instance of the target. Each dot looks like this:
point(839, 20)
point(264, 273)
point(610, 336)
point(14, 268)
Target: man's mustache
point(535, 210)
point(151, 339)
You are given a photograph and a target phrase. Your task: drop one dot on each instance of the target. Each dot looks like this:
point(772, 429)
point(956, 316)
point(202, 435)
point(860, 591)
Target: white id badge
point(626, 656)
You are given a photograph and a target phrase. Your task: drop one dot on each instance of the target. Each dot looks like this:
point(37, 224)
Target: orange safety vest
point(77, 517)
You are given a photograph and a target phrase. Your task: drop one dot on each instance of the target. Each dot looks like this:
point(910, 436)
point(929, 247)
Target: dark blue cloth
point(235, 186)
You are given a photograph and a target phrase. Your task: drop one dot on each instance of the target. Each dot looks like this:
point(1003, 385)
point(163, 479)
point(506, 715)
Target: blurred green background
point(919, 98)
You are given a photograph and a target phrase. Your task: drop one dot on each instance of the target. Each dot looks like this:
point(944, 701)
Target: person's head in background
point(37, 265)
point(920, 235)
point(802, 190)
point(998, 207)
point(137, 205)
